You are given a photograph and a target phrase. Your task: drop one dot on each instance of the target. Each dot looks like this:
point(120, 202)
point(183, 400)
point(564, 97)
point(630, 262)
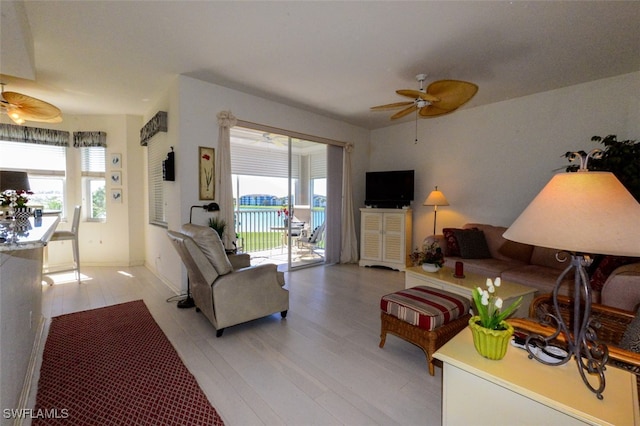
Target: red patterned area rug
point(115, 366)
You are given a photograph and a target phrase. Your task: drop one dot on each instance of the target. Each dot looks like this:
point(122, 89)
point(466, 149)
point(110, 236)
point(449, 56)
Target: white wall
point(490, 161)
point(114, 242)
point(192, 106)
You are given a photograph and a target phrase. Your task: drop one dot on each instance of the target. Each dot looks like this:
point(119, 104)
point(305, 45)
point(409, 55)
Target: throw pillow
point(631, 338)
point(472, 243)
point(211, 245)
point(605, 267)
point(452, 244)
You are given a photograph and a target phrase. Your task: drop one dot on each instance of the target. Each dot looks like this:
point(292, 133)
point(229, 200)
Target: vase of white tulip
point(491, 333)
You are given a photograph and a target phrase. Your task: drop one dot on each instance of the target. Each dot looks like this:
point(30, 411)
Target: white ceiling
point(334, 58)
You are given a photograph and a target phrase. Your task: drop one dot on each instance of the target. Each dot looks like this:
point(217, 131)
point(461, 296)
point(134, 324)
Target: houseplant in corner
point(491, 333)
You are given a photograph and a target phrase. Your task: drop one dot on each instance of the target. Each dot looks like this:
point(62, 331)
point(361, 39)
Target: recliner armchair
point(226, 296)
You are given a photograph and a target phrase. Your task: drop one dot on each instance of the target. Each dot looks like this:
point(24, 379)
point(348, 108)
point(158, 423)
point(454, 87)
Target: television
point(392, 189)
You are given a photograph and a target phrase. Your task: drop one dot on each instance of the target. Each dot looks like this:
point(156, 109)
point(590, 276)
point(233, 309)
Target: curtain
point(333, 228)
point(224, 186)
point(15, 133)
point(349, 243)
point(89, 139)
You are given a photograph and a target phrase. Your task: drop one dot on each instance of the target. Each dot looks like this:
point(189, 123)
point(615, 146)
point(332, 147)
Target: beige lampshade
point(436, 198)
point(583, 212)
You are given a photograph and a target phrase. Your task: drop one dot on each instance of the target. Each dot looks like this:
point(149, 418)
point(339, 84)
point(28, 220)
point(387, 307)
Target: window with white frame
point(92, 166)
point(46, 166)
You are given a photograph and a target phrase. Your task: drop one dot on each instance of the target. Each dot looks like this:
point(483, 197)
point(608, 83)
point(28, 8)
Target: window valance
point(15, 133)
point(86, 139)
point(157, 124)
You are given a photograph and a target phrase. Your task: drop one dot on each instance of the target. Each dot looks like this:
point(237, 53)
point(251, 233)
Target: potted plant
point(431, 257)
point(491, 333)
point(622, 158)
point(218, 225)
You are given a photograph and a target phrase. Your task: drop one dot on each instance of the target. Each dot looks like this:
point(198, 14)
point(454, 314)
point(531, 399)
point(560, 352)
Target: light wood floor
point(321, 365)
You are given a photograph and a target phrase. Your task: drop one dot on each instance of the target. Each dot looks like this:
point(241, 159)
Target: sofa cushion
point(540, 277)
point(604, 266)
point(500, 247)
point(543, 256)
point(451, 248)
point(472, 243)
point(209, 242)
point(425, 307)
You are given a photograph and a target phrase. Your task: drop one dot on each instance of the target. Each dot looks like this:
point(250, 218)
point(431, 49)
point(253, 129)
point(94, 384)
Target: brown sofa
point(538, 267)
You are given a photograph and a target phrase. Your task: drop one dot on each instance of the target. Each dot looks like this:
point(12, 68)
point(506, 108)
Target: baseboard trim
point(23, 401)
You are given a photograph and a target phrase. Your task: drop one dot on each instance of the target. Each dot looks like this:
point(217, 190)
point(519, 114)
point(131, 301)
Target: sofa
point(483, 250)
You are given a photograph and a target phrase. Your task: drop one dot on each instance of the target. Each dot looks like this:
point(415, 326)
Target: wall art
point(207, 173)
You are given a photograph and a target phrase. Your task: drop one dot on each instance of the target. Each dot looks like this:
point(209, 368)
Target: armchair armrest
point(622, 288)
point(239, 261)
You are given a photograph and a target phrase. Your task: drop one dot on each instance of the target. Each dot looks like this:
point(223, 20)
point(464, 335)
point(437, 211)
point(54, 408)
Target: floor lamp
point(580, 214)
point(436, 198)
point(188, 301)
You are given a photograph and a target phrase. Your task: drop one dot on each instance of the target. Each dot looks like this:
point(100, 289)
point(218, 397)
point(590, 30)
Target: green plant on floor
point(219, 225)
point(622, 158)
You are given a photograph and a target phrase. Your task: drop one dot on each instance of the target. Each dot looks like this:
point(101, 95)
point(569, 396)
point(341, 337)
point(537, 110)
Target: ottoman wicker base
point(438, 316)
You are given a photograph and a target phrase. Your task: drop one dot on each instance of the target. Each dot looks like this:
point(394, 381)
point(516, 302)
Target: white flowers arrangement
point(489, 305)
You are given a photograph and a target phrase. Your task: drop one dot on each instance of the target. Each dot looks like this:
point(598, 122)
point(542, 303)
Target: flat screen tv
point(392, 189)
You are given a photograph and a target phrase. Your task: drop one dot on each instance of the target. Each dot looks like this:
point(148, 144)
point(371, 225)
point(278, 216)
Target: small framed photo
point(116, 195)
point(116, 161)
point(116, 178)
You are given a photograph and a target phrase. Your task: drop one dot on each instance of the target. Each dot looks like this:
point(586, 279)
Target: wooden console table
point(444, 280)
point(518, 390)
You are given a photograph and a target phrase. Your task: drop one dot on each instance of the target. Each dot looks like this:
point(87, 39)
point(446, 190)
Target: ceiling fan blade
point(31, 107)
point(432, 111)
point(415, 94)
point(404, 112)
point(391, 106)
point(452, 94)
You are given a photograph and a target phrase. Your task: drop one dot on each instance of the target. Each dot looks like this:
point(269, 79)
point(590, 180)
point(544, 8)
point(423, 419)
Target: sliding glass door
point(280, 187)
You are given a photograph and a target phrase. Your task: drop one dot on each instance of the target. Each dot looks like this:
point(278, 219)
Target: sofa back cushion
point(472, 244)
point(501, 248)
point(543, 256)
point(211, 245)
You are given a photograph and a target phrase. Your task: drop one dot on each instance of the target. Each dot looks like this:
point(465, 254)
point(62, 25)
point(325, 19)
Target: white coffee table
point(444, 280)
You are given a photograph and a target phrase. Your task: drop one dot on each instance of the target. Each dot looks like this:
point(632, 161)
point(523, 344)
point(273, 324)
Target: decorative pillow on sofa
point(452, 248)
point(472, 243)
point(211, 245)
point(605, 266)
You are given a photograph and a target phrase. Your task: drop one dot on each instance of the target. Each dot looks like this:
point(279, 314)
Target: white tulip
point(498, 281)
point(498, 303)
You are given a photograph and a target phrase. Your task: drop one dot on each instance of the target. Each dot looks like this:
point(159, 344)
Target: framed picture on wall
point(206, 173)
point(116, 178)
point(116, 195)
point(116, 161)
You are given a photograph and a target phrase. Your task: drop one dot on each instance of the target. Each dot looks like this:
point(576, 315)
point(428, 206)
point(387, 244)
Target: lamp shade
point(10, 179)
point(583, 212)
point(436, 198)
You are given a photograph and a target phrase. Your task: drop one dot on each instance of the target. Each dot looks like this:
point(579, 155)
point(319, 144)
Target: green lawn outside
point(258, 241)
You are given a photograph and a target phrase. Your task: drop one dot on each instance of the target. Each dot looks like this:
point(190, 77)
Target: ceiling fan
point(440, 98)
point(21, 108)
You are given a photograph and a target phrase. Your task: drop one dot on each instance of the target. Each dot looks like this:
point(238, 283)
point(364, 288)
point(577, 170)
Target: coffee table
point(444, 279)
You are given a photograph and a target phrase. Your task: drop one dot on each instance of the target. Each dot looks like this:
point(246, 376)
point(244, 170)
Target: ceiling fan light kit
point(22, 108)
point(439, 98)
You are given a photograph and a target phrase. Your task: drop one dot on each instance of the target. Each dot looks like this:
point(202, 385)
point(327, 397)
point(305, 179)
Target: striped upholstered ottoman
point(424, 316)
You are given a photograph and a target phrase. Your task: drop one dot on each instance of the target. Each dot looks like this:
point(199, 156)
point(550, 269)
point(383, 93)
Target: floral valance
point(15, 133)
point(157, 124)
point(84, 139)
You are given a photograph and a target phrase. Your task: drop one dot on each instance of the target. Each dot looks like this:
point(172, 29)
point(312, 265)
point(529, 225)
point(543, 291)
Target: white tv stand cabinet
point(385, 237)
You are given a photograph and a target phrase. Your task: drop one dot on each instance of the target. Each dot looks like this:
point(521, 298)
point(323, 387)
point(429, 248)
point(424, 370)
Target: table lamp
point(580, 213)
point(10, 179)
point(436, 198)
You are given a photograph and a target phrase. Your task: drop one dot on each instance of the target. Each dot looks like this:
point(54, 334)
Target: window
point(46, 165)
point(92, 165)
point(157, 149)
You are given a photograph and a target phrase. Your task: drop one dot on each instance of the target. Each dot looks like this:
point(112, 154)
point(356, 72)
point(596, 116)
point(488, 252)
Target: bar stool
point(73, 236)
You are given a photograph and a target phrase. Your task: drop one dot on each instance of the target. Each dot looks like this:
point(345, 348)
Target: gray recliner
point(226, 296)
